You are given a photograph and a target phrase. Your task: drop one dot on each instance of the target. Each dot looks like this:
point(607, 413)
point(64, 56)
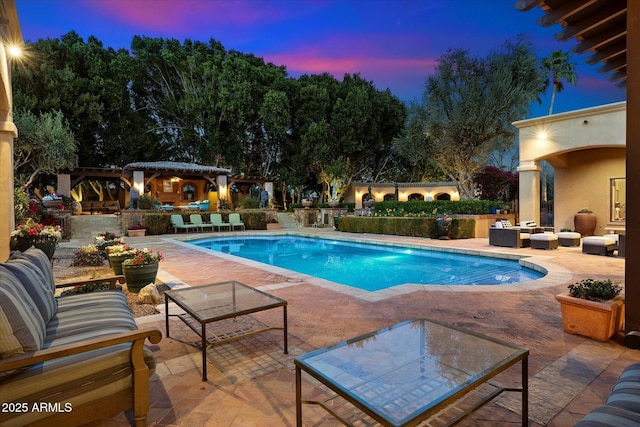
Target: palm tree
point(559, 67)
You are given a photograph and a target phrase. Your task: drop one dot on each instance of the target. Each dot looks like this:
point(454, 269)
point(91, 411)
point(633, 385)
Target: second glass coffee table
point(220, 301)
point(403, 374)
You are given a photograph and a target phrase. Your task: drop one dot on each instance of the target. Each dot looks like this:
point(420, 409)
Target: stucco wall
point(584, 183)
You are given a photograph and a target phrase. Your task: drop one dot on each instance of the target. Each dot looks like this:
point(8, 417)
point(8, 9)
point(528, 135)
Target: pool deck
point(252, 383)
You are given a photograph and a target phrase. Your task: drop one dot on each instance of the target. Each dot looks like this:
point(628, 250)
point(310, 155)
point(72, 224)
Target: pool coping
point(554, 274)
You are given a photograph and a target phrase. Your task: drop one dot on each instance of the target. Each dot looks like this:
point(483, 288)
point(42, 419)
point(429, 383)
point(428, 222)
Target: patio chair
point(178, 223)
point(196, 219)
point(234, 220)
point(216, 221)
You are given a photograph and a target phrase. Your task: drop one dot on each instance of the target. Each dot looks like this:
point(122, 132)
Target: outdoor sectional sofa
point(68, 360)
point(622, 407)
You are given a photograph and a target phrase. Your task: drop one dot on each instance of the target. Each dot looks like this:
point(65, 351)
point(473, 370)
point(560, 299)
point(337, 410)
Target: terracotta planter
point(137, 233)
point(334, 204)
point(594, 319)
point(274, 226)
point(139, 276)
point(585, 223)
point(307, 203)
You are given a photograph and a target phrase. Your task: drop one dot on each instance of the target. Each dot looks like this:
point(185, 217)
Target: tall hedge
point(461, 228)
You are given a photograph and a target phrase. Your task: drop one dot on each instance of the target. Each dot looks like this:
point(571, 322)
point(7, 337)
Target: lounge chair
point(178, 223)
point(234, 220)
point(196, 219)
point(216, 221)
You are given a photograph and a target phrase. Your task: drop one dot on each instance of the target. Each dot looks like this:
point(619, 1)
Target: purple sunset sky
point(394, 43)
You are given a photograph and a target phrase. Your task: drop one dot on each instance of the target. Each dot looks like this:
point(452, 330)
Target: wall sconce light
point(586, 122)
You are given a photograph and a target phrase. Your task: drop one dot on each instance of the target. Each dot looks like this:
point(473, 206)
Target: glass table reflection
point(407, 372)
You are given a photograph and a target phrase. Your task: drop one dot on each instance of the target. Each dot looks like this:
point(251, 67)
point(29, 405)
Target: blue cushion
point(609, 416)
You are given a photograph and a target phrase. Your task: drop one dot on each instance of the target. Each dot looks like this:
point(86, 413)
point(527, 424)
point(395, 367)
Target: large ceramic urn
point(584, 222)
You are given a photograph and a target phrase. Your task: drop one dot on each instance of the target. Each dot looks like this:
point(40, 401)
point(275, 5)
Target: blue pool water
point(368, 266)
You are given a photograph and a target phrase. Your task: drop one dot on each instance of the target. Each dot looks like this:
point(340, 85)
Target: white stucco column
point(269, 187)
point(529, 191)
point(223, 188)
point(64, 184)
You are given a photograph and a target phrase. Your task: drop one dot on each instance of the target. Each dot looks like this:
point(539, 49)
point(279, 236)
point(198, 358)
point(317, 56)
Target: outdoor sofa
point(511, 237)
point(68, 360)
point(622, 407)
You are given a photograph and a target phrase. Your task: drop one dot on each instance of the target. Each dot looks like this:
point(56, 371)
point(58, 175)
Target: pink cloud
point(172, 16)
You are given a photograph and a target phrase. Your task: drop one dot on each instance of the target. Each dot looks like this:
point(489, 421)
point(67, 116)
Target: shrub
point(253, 220)
point(595, 290)
point(87, 256)
point(147, 202)
point(461, 228)
point(428, 209)
point(157, 223)
point(249, 203)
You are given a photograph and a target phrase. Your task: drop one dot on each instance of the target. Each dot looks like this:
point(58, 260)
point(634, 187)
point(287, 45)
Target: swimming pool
point(368, 266)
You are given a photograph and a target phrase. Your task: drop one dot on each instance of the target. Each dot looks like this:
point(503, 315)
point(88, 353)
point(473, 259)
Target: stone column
point(223, 188)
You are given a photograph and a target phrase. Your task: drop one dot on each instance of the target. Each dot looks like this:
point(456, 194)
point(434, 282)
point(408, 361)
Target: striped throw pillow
point(22, 329)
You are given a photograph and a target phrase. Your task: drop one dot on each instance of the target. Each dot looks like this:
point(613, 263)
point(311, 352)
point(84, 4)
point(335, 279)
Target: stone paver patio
point(251, 382)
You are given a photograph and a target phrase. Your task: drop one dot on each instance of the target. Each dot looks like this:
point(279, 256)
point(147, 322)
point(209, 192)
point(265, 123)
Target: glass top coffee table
point(403, 374)
point(220, 301)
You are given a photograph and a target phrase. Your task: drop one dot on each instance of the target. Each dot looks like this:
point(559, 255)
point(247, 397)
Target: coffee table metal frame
point(318, 365)
point(235, 306)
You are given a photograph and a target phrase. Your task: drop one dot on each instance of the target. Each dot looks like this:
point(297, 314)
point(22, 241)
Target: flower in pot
point(106, 239)
point(272, 224)
point(593, 308)
point(136, 230)
point(141, 269)
point(53, 200)
point(31, 233)
point(444, 226)
point(117, 255)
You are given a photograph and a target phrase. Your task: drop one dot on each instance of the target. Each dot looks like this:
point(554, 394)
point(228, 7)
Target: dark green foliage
point(249, 203)
point(595, 290)
point(461, 228)
point(157, 223)
point(253, 220)
point(435, 207)
point(148, 202)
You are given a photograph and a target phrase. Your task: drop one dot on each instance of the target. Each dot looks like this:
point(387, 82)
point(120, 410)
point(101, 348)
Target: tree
point(89, 85)
point(469, 105)
point(44, 146)
point(558, 67)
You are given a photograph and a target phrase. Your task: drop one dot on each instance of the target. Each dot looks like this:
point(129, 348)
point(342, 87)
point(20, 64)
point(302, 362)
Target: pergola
point(602, 29)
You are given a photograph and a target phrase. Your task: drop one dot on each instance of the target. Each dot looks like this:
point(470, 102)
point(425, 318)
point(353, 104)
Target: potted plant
point(31, 233)
point(105, 239)
point(141, 269)
point(272, 224)
point(136, 230)
point(444, 226)
point(593, 308)
point(52, 201)
point(307, 202)
point(117, 255)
